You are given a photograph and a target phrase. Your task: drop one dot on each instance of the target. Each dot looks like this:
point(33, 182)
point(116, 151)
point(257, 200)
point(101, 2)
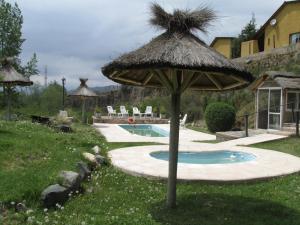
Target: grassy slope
point(113, 197)
point(32, 155)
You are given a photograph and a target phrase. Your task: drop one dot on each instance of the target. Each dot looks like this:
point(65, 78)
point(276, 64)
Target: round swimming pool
point(207, 157)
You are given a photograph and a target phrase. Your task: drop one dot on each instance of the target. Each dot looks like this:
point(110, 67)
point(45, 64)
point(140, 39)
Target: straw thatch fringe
point(83, 90)
point(9, 76)
point(182, 20)
point(178, 49)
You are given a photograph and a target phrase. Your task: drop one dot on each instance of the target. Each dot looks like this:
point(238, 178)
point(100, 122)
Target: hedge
point(219, 116)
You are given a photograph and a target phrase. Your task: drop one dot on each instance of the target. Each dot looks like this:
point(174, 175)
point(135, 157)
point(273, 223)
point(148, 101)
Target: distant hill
point(106, 88)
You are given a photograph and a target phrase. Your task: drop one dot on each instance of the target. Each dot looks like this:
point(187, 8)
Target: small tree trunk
point(173, 150)
point(297, 123)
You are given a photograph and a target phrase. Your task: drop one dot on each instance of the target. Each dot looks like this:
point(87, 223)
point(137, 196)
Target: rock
point(54, 194)
point(69, 179)
point(65, 128)
point(96, 149)
point(83, 170)
point(20, 207)
point(90, 158)
point(101, 160)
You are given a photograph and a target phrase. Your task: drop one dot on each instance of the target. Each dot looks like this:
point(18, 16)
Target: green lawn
point(290, 145)
point(31, 156)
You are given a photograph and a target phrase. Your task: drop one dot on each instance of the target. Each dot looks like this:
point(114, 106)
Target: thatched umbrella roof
point(177, 60)
point(9, 76)
point(179, 49)
point(83, 90)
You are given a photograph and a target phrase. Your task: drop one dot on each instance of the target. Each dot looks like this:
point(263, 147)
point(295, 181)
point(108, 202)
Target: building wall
point(249, 48)
point(287, 23)
point(223, 46)
point(275, 59)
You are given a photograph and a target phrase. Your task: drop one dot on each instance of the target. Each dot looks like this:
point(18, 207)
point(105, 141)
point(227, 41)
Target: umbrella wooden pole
point(83, 110)
point(173, 150)
point(8, 103)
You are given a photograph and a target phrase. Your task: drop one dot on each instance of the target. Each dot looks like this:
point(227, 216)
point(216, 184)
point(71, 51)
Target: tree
point(31, 66)
point(11, 21)
point(246, 34)
point(51, 98)
point(249, 30)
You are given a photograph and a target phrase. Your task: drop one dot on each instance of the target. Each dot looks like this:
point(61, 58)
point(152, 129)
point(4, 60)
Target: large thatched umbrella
point(177, 60)
point(84, 92)
point(10, 78)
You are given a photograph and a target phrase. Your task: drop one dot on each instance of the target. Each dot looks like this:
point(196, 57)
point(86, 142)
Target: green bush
point(219, 116)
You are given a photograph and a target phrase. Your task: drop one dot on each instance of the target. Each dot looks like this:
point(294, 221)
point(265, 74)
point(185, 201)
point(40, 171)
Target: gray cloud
point(75, 37)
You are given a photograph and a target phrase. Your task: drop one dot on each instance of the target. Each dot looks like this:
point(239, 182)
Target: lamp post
point(63, 93)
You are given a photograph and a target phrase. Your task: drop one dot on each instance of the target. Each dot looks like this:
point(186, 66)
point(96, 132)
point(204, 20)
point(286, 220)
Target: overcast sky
point(75, 38)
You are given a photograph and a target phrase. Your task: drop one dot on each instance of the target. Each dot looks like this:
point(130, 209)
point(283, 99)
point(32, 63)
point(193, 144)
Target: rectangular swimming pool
point(145, 130)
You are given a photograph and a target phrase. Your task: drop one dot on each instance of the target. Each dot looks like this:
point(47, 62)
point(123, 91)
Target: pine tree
point(31, 66)
point(246, 34)
point(249, 30)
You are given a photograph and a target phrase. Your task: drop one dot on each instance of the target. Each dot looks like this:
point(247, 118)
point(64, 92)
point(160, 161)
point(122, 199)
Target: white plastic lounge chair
point(148, 112)
point(111, 111)
point(123, 111)
point(136, 112)
point(182, 122)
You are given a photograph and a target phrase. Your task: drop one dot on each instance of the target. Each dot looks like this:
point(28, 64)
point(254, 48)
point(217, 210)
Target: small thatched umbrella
point(84, 92)
point(10, 78)
point(177, 60)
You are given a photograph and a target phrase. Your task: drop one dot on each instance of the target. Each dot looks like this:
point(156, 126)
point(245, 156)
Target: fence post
point(246, 125)
point(297, 123)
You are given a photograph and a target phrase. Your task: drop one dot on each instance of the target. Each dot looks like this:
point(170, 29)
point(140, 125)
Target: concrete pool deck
point(137, 161)
point(114, 133)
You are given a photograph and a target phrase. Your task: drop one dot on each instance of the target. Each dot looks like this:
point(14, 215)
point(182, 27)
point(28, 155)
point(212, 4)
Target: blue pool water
point(145, 130)
point(207, 157)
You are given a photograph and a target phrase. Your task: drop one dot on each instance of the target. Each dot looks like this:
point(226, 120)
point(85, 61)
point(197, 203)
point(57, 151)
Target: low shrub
point(219, 116)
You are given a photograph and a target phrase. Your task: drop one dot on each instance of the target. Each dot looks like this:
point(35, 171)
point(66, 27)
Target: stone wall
point(276, 59)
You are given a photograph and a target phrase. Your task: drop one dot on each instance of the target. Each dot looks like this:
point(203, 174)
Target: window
point(293, 101)
point(269, 41)
point(295, 38)
point(274, 44)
